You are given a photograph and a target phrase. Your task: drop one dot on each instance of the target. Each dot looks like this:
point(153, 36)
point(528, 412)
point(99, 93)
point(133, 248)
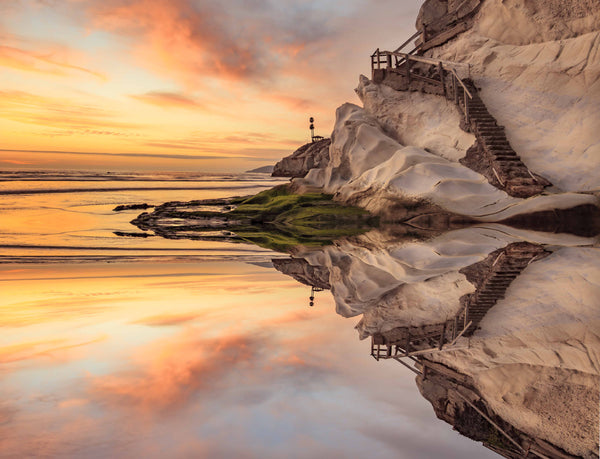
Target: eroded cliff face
point(370, 169)
point(523, 22)
point(537, 65)
point(545, 409)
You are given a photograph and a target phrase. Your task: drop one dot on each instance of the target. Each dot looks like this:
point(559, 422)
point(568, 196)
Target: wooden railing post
point(441, 342)
point(441, 72)
point(455, 327)
point(378, 60)
point(454, 83)
point(389, 61)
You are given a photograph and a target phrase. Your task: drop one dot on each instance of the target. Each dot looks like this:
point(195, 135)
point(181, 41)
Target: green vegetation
point(276, 219)
point(280, 219)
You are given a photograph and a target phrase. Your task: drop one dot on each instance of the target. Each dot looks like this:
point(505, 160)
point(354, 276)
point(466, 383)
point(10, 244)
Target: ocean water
point(58, 214)
point(117, 346)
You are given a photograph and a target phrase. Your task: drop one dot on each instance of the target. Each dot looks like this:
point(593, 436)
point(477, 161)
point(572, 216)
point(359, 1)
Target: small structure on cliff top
point(315, 138)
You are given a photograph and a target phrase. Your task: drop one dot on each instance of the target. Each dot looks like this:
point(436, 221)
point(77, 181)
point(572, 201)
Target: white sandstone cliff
point(537, 64)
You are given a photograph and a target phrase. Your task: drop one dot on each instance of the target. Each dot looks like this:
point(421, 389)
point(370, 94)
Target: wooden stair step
point(521, 181)
point(495, 128)
point(505, 152)
point(512, 165)
point(494, 144)
point(505, 156)
point(520, 177)
point(493, 137)
point(504, 161)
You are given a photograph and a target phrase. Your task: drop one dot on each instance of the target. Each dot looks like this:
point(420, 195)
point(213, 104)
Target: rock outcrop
point(308, 156)
point(556, 401)
point(441, 20)
point(303, 272)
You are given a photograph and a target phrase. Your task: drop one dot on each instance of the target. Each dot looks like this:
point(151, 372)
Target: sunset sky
point(180, 84)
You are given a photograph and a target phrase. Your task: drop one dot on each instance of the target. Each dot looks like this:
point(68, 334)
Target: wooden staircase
point(506, 267)
point(491, 155)
point(491, 278)
point(502, 166)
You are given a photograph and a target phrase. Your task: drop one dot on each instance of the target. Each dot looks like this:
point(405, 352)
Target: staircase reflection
point(483, 379)
point(491, 278)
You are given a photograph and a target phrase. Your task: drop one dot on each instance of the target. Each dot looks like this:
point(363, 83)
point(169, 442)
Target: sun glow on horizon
point(186, 85)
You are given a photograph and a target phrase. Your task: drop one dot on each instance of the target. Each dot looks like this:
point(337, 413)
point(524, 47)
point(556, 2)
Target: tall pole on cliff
point(311, 120)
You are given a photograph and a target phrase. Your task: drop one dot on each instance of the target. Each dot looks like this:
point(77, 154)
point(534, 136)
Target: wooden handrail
point(424, 60)
point(488, 419)
point(461, 83)
point(415, 35)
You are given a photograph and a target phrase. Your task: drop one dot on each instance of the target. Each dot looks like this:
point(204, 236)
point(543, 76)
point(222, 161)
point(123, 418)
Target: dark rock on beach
point(132, 207)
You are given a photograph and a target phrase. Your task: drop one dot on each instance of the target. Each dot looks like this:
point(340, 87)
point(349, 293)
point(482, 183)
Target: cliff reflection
point(502, 327)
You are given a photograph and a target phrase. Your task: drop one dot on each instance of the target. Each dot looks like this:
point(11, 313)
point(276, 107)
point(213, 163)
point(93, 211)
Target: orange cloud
point(27, 313)
point(294, 317)
point(167, 319)
point(14, 161)
point(168, 99)
point(295, 103)
point(53, 349)
point(30, 61)
point(48, 111)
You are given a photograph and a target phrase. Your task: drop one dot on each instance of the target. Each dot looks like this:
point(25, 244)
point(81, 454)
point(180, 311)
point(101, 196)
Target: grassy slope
point(281, 220)
point(275, 218)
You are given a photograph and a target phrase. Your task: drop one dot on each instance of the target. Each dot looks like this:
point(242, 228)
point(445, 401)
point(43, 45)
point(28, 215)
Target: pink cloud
point(194, 40)
point(178, 37)
point(173, 372)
